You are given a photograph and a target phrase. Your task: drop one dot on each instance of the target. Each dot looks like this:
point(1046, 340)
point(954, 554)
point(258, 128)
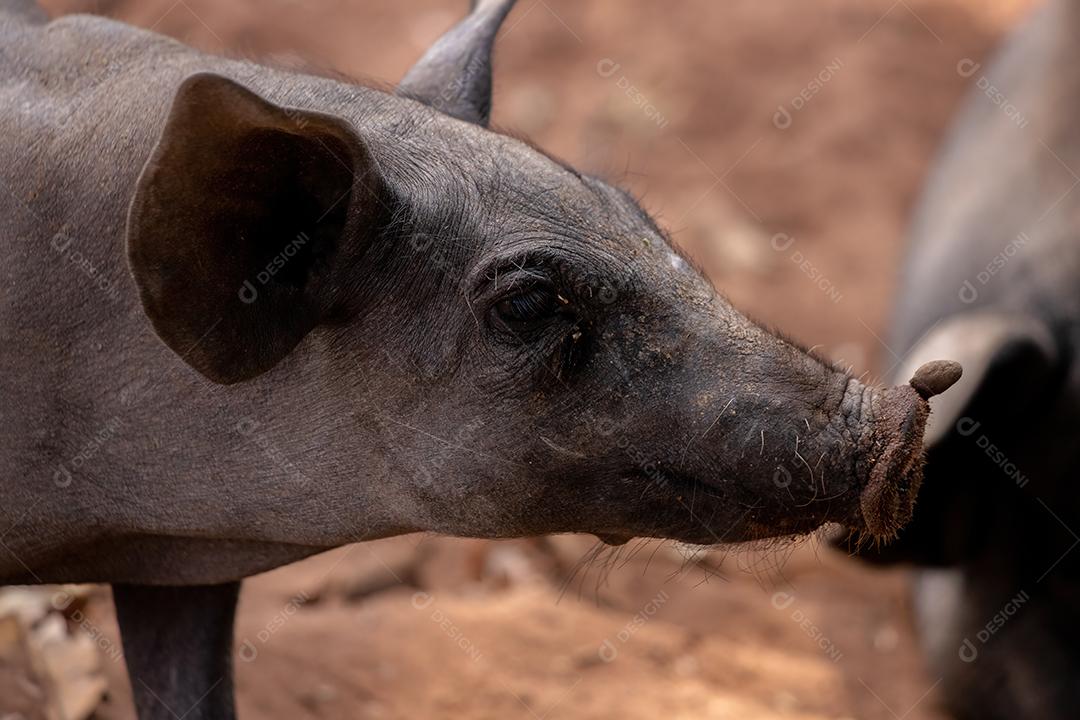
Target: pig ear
point(242, 222)
point(454, 75)
point(1004, 356)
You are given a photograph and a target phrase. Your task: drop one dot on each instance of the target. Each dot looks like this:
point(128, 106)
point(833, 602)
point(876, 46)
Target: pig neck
point(152, 447)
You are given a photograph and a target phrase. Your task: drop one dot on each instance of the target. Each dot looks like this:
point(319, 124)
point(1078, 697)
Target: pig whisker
point(687, 559)
point(582, 562)
point(561, 450)
point(707, 570)
point(809, 469)
point(468, 304)
point(839, 493)
point(651, 556)
point(641, 542)
point(453, 445)
point(765, 559)
point(608, 565)
point(782, 555)
point(646, 489)
point(754, 558)
point(817, 465)
point(682, 458)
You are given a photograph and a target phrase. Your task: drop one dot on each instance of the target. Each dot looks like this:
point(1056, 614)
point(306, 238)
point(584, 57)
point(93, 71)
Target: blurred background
point(783, 145)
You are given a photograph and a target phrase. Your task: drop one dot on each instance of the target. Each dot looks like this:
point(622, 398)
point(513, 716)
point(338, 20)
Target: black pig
point(993, 279)
point(251, 314)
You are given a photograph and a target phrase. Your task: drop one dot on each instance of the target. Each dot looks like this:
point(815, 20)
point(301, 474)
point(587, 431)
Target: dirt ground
point(783, 144)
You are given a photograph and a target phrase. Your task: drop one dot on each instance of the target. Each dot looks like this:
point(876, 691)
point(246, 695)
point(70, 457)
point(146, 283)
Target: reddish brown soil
point(697, 139)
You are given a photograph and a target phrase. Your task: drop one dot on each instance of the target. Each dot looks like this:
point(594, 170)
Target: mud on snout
point(886, 450)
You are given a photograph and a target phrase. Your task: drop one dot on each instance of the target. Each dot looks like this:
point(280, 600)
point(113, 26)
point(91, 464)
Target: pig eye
point(530, 305)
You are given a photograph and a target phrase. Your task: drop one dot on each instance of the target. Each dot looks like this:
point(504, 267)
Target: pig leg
point(178, 647)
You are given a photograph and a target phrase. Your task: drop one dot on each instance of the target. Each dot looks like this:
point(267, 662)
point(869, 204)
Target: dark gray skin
point(249, 315)
point(1000, 511)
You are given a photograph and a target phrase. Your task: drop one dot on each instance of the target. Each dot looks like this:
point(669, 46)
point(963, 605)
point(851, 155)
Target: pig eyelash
point(514, 274)
point(536, 317)
point(543, 324)
point(529, 305)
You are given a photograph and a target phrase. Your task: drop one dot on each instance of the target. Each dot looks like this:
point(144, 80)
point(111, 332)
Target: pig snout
point(795, 458)
point(895, 420)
